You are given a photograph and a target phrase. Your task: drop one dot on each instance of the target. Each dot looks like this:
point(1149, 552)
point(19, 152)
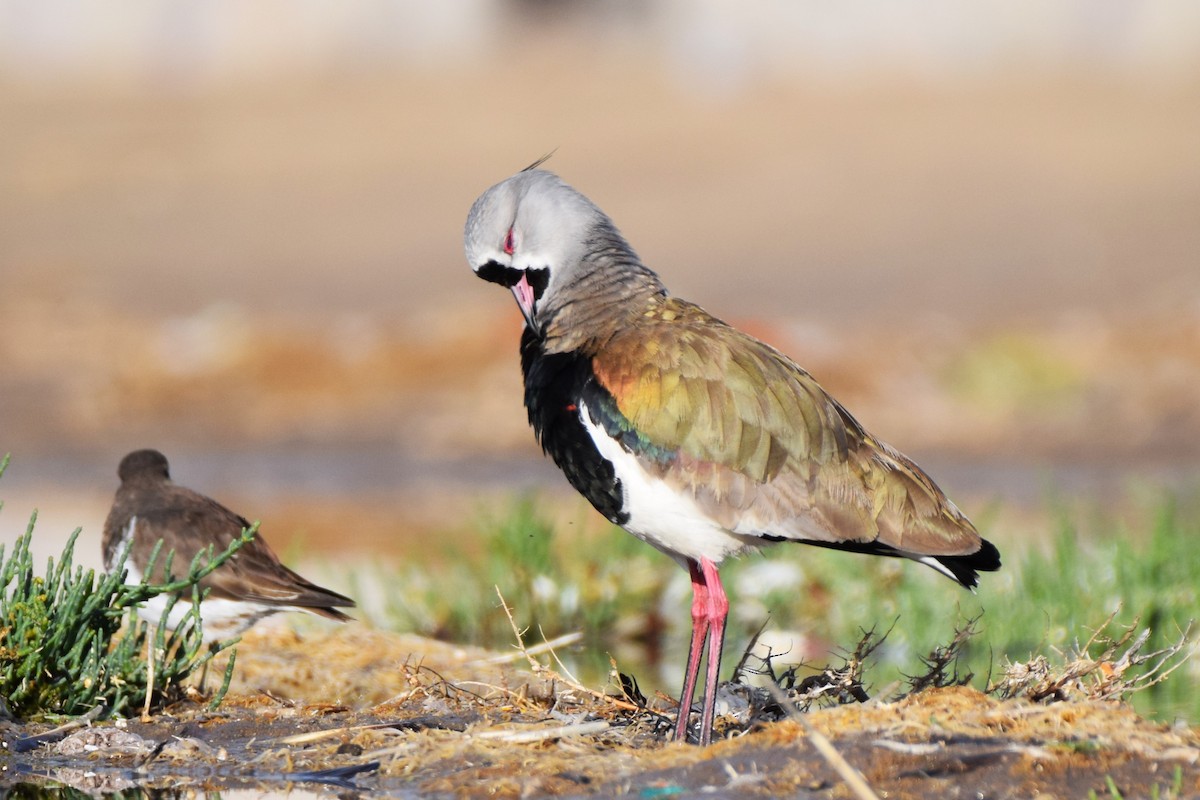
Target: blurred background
point(231, 230)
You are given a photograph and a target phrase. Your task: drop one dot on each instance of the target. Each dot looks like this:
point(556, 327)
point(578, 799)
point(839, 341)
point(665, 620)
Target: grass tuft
point(63, 649)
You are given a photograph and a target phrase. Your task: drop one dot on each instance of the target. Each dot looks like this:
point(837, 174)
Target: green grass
point(70, 640)
point(1157, 792)
point(1049, 598)
point(552, 582)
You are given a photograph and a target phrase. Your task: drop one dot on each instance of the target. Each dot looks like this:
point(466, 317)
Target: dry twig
point(543, 671)
point(1097, 678)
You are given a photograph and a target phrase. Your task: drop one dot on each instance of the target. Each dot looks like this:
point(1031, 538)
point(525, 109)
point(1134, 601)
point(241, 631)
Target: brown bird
point(698, 439)
point(252, 585)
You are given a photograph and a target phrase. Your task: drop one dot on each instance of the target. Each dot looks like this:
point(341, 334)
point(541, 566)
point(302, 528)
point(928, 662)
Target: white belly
point(220, 618)
point(661, 515)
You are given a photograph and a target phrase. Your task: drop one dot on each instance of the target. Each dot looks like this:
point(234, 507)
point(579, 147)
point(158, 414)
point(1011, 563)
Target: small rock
point(106, 740)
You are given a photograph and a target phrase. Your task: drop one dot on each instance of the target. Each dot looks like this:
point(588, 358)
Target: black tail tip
point(986, 558)
point(966, 569)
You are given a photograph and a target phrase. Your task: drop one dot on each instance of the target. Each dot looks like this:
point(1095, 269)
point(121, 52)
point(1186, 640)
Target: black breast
point(554, 384)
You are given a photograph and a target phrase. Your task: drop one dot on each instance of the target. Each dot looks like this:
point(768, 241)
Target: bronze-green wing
point(759, 444)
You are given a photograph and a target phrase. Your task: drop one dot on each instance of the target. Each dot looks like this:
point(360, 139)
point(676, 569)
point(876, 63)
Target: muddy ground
point(357, 710)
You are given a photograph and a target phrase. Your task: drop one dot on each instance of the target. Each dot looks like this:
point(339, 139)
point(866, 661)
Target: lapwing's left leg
point(718, 611)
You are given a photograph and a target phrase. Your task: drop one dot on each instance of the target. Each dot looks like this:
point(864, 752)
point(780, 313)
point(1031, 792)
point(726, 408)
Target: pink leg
point(699, 635)
point(718, 610)
point(710, 607)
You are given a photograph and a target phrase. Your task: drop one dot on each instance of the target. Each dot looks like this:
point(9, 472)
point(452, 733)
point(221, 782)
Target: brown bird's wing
point(757, 441)
point(187, 522)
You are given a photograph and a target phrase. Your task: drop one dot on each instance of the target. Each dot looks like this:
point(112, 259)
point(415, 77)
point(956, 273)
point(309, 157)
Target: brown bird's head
point(143, 465)
point(550, 245)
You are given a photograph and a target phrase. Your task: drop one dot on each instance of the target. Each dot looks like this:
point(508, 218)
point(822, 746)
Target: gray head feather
point(535, 221)
point(549, 221)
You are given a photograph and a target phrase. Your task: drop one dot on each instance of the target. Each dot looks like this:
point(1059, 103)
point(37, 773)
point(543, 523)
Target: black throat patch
point(554, 385)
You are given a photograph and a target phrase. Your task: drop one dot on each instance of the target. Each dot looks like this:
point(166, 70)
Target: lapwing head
point(531, 233)
point(143, 465)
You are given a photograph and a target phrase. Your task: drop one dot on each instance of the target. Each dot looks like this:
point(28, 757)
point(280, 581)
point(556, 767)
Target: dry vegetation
point(354, 707)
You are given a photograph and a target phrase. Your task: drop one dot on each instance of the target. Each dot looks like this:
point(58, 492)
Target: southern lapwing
point(252, 585)
point(698, 439)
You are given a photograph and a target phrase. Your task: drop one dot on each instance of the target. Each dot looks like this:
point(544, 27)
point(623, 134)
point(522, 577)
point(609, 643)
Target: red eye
point(508, 242)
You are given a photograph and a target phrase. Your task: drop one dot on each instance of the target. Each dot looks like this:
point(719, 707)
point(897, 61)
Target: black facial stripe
point(496, 272)
point(499, 273)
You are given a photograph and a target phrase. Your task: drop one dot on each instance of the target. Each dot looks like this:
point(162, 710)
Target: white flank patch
point(115, 552)
point(220, 618)
point(661, 515)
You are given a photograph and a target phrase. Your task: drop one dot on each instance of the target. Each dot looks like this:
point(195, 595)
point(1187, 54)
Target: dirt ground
point(356, 710)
